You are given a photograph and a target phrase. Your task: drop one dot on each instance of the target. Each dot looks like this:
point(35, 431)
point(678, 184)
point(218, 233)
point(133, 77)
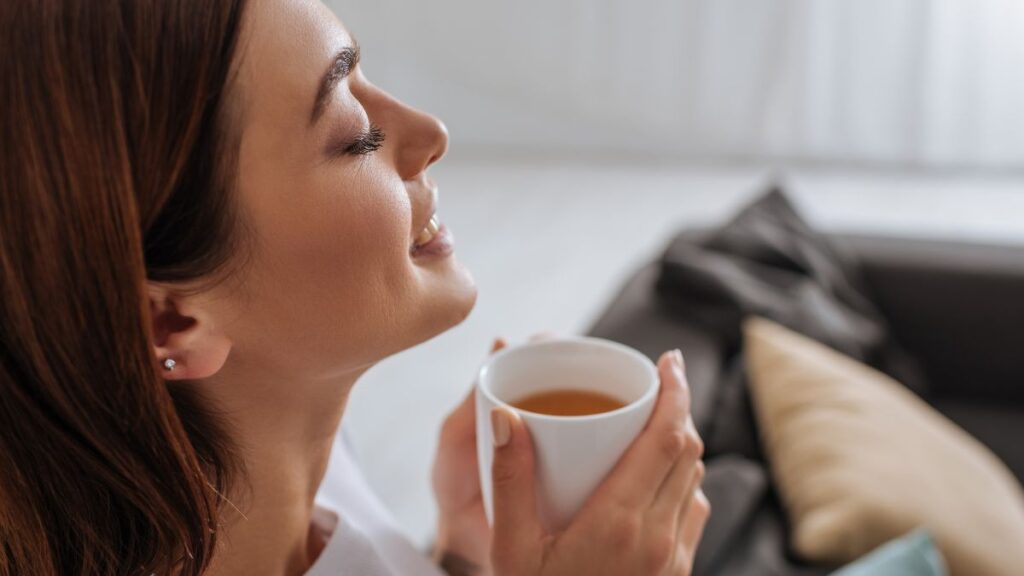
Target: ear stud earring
point(169, 364)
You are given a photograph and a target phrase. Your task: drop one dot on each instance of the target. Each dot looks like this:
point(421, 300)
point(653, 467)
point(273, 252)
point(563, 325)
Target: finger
point(686, 501)
point(663, 516)
point(679, 486)
point(638, 475)
point(498, 344)
point(682, 557)
point(517, 527)
point(461, 421)
point(695, 518)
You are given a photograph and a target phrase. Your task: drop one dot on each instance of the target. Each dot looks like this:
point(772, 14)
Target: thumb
point(517, 527)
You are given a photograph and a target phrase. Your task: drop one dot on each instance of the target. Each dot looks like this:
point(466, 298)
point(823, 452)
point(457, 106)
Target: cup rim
point(649, 367)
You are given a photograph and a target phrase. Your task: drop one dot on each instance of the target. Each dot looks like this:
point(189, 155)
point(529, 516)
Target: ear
point(185, 333)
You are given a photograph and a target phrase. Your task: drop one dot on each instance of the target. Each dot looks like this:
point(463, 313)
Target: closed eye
point(368, 142)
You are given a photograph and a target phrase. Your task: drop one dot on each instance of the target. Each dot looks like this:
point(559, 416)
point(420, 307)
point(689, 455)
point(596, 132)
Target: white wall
point(906, 82)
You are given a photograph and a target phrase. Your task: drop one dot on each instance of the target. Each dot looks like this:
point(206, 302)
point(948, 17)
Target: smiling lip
point(441, 245)
point(427, 194)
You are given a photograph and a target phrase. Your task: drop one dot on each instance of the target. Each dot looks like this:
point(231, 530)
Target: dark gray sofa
point(957, 309)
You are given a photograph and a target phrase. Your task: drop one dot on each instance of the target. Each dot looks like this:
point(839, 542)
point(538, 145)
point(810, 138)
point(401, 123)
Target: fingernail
point(677, 357)
point(501, 427)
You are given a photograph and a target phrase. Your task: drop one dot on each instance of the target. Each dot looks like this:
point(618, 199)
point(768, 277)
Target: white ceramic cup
point(573, 454)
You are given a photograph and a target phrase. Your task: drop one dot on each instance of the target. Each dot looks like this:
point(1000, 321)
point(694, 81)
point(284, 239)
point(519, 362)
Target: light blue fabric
point(912, 555)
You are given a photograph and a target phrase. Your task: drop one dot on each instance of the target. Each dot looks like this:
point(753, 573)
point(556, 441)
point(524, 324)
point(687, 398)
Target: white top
point(366, 540)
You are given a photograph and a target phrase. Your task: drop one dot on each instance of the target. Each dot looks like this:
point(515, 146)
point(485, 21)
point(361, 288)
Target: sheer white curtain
point(905, 82)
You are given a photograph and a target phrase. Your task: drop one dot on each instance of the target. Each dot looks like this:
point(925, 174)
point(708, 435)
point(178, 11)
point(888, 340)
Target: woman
point(211, 224)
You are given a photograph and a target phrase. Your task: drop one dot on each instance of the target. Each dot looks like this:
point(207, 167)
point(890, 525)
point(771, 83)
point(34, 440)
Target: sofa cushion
point(858, 460)
point(1000, 427)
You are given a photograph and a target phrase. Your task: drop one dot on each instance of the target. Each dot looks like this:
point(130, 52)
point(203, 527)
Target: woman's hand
point(645, 518)
point(463, 535)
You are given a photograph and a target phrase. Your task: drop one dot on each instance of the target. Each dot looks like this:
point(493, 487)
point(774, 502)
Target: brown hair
point(116, 161)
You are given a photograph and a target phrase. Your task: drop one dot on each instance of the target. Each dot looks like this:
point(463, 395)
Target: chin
point(461, 296)
point(452, 302)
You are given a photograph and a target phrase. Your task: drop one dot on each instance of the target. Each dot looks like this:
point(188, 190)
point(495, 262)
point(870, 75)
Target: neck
point(285, 439)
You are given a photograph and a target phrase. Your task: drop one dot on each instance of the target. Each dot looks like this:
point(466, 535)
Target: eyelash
point(366, 143)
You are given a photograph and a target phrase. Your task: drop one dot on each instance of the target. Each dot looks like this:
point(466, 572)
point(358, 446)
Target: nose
point(425, 141)
point(418, 139)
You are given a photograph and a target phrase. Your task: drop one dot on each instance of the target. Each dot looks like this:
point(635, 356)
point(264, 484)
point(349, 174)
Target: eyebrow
point(341, 65)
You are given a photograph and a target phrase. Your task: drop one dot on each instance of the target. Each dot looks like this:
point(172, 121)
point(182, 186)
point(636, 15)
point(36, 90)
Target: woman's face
point(335, 281)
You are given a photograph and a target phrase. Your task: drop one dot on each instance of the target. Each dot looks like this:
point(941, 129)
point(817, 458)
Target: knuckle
point(503, 473)
point(697, 444)
point(683, 562)
point(693, 448)
point(702, 505)
point(658, 551)
point(623, 532)
point(673, 442)
point(699, 473)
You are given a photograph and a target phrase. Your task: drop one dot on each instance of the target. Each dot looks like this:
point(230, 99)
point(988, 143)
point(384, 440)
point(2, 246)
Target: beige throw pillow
point(859, 460)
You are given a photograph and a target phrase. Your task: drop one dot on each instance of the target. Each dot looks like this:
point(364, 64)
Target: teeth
point(429, 232)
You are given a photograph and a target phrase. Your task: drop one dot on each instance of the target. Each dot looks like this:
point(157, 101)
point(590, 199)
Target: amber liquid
point(568, 403)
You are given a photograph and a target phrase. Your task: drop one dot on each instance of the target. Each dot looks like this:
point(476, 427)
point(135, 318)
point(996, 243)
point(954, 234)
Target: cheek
point(359, 225)
point(339, 223)
point(334, 265)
